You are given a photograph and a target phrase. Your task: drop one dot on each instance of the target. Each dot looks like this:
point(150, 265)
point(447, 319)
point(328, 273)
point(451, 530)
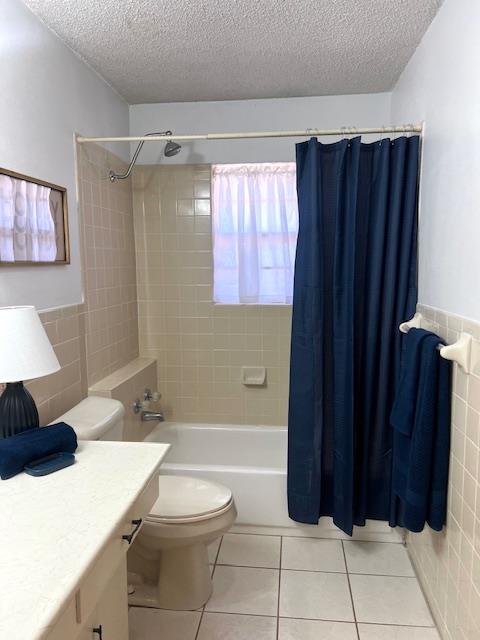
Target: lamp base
point(18, 411)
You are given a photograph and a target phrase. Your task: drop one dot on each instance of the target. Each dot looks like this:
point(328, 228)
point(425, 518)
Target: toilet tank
point(96, 418)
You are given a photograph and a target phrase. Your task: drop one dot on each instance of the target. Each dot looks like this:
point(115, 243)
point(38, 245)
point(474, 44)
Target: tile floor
point(287, 588)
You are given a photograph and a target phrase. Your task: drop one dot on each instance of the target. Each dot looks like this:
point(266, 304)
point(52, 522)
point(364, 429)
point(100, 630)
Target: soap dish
point(49, 464)
point(254, 376)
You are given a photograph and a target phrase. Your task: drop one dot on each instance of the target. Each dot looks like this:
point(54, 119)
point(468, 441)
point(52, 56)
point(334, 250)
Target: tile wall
point(200, 347)
point(448, 563)
point(98, 337)
point(108, 258)
point(56, 393)
point(127, 384)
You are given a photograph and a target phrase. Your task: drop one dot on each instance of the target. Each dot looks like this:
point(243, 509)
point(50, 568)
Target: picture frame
point(58, 205)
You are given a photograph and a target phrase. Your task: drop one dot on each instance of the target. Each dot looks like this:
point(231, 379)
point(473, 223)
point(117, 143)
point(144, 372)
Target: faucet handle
point(137, 406)
point(151, 395)
point(147, 394)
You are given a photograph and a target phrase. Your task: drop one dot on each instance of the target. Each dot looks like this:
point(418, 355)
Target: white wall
point(46, 95)
point(251, 115)
point(441, 85)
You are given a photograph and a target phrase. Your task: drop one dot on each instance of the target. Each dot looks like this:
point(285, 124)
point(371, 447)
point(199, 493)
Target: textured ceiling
point(188, 50)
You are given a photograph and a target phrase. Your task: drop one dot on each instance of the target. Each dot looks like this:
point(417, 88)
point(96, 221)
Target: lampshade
point(25, 350)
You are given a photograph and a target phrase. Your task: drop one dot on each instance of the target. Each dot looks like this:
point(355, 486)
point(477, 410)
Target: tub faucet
point(150, 416)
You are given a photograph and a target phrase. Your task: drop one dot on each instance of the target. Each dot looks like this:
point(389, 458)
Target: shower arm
point(121, 176)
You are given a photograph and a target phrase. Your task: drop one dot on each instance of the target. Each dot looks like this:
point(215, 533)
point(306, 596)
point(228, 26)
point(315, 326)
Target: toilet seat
point(183, 499)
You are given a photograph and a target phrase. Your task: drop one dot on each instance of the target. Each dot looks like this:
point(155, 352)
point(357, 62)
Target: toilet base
point(184, 580)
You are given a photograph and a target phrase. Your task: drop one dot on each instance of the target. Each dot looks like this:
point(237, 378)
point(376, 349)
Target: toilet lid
point(181, 497)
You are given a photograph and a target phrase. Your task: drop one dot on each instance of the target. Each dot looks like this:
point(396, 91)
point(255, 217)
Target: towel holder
point(459, 352)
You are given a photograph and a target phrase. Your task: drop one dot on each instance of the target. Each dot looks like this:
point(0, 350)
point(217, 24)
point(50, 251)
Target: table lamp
point(25, 353)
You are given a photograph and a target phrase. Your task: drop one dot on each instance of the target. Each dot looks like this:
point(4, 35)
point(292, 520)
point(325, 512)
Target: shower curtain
point(355, 281)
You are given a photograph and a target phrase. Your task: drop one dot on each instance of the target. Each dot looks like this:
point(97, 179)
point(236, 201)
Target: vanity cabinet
point(64, 574)
point(110, 616)
point(101, 601)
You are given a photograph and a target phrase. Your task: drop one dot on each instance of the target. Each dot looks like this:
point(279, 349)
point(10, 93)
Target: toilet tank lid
point(93, 417)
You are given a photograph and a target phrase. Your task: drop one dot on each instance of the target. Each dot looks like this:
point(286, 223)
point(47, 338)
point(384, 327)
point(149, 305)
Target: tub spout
point(150, 416)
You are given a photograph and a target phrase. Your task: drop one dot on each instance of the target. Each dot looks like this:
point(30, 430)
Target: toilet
point(168, 561)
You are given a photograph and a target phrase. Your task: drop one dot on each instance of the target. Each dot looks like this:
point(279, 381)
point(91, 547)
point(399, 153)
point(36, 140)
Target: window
point(255, 226)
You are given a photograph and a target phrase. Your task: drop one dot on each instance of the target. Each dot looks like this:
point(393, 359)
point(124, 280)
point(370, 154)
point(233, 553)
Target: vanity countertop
point(54, 527)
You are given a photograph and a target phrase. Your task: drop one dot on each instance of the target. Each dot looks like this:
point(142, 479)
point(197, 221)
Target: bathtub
point(252, 462)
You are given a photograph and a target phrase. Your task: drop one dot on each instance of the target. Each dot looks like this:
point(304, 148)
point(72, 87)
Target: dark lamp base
point(18, 411)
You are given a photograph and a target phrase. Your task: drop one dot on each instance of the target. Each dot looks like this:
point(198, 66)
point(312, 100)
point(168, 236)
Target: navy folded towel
point(421, 421)
point(27, 446)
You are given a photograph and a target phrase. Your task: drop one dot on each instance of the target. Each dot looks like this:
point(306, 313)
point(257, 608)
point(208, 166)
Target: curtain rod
point(343, 131)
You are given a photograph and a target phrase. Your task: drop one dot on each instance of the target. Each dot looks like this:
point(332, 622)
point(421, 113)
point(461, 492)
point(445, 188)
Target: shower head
point(171, 149)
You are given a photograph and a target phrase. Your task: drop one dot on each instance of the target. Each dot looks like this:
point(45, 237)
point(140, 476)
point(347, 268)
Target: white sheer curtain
point(255, 226)
point(27, 229)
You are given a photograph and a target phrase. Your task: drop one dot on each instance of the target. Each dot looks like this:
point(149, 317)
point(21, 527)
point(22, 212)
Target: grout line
point(373, 624)
point(199, 624)
point(237, 613)
point(211, 577)
point(250, 566)
point(279, 587)
point(352, 573)
point(395, 624)
point(267, 615)
point(380, 575)
point(422, 588)
point(276, 535)
point(350, 591)
point(216, 557)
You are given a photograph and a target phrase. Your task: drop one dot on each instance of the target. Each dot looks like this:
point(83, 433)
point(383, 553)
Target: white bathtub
point(252, 462)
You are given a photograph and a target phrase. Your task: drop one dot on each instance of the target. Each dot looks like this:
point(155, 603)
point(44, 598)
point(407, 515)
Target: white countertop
point(52, 528)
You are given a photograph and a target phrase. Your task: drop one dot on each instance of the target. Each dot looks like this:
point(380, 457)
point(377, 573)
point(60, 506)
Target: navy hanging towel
point(421, 422)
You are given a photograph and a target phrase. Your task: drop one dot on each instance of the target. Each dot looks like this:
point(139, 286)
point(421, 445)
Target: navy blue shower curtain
point(355, 281)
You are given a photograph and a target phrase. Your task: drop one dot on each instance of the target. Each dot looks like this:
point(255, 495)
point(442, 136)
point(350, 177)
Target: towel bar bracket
point(460, 351)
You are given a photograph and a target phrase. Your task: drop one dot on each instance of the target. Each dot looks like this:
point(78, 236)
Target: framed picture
point(33, 221)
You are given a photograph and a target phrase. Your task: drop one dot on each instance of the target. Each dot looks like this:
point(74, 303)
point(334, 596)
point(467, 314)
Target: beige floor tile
point(322, 596)
point(378, 558)
point(385, 632)
point(244, 590)
point(291, 629)
point(389, 600)
point(229, 626)
point(250, 550)
point(312, 554)
point(153, 624)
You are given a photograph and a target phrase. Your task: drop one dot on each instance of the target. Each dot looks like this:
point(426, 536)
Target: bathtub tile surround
point(94, 339)
point(200, 347)
point(253, 600)
point(448, 563)
point(126, 385)
point(108, 262)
